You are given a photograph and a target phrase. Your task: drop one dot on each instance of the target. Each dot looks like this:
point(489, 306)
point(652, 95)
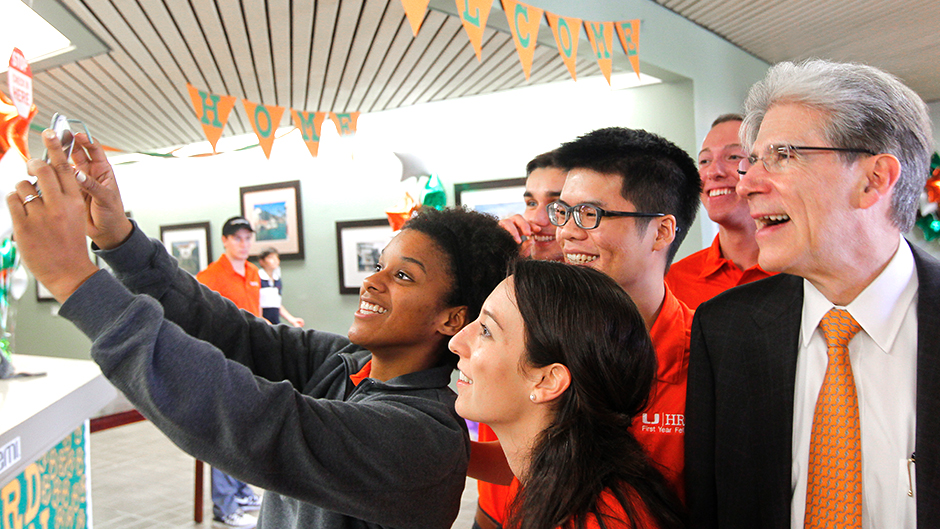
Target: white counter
point(36, 413)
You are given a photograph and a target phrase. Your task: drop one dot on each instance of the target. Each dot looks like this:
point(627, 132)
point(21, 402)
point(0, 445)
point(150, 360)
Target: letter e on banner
point(629, 33)
point(345, 122)
point(20, 81)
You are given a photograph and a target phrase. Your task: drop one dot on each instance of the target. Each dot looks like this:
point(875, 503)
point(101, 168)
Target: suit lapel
point(927, 440)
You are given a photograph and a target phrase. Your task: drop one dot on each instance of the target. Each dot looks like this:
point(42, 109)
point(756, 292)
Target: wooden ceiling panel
point(360, 55)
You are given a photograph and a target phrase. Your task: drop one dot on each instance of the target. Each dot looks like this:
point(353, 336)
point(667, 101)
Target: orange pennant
point(566, 31)
point(473, 14)
point(265, 120)
point(629, 33)
point(206, 104)
point(415, 10)
point(601, 35)
point(524, 25)
point(345, 122)
point(309, 124)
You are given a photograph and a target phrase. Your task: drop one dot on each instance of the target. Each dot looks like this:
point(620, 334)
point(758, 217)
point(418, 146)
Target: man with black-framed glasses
point(628, 202)
point(813, 395)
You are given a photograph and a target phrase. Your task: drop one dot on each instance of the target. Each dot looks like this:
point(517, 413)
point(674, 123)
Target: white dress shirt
point(884, 364)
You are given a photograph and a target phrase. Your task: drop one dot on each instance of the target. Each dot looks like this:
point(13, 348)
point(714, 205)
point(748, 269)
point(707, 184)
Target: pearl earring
point(532, 397)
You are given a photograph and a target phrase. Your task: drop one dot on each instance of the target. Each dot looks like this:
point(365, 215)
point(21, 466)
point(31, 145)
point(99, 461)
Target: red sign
point(20, 79)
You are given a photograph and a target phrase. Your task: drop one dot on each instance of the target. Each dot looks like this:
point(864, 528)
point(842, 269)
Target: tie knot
point(838, 326)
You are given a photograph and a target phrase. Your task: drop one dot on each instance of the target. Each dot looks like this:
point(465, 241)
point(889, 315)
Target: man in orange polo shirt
point(731, 260)
point(235, 278)
point(627, 202)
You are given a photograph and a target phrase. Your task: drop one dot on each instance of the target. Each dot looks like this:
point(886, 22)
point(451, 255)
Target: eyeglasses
point(587, 216)
point(776, 158)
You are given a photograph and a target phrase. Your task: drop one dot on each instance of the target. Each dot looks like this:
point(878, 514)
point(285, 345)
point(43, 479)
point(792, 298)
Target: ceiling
point(346, 55)
point(900, 36)
point(340, 56)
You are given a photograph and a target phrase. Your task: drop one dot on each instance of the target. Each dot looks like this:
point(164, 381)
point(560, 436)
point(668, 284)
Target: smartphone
point(61, 125)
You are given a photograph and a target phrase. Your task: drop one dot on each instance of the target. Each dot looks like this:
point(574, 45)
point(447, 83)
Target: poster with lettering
point(51, 492)
point(20, 81)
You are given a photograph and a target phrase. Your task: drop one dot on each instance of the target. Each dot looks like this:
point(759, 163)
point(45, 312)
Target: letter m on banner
point(309, 124)
point(212, 111)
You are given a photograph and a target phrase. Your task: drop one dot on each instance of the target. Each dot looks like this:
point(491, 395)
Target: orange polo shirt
point(660, 429)
point(244, 291)
point(706, 273)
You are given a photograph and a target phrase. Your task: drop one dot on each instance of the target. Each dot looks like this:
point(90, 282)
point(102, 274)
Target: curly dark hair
point(582, 319)
point(480, 252)
point(658, 176)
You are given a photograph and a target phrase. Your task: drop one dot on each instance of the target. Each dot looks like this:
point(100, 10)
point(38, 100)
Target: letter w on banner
point(601, 35)
point(264, 119)
point(212, 111)
point(309, 124)
point(473, 14)
point(524, 25)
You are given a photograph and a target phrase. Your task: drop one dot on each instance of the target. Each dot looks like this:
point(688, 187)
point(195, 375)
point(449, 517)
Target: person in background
point(814, 394)
point(532, 230)
point(236, 279)
point(270, 274)
point(561, 389)
point(536, 235)
point(354, 431)
point(731, 260)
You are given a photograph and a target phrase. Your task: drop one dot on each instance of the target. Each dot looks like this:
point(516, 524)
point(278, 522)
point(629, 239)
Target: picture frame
point(500, 198)
point(189, 244)
point(42, 293)
point(358, 246)
point(275, 213)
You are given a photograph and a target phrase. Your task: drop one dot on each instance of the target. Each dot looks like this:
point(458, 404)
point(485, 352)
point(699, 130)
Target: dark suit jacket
point(739, 409)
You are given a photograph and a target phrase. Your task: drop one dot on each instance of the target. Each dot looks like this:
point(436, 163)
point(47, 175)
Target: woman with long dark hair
point(558, 364)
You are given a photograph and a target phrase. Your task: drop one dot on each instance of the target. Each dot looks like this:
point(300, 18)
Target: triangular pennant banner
point(629, 33)
point(309, 124)
point(212, 110)
point(415, 10)
point(566, 30)
point(524, 25)
point(601, 35)
point(345, 122)
point(473, 14)
point(265, 120)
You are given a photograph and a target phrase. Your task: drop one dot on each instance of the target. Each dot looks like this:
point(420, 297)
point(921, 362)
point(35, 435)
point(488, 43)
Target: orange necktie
point(834, 487)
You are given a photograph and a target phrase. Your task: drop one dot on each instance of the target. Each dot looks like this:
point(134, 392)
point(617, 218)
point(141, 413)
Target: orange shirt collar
point(671, 334)
point(362, 374)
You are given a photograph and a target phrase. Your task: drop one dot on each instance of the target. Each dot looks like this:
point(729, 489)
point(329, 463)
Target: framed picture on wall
point(274, 211)
point(500, 198)
point(189, 244)
point(359, 243)
point(42, 293)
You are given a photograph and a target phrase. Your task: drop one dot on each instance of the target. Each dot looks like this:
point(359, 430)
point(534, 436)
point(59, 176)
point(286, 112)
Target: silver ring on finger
point(30, 198)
